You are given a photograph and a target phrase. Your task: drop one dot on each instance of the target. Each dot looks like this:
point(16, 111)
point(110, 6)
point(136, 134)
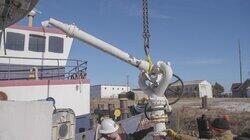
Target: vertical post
point(52, 73)
point(42, 66)
point(77, 64)
point(68, 75)
point(240, 61)
point(9, 70)
point(127, 82)
point(111, 108)
point(77, 72)
point(204, 102)
point(58, 70)
point(69, 69)
point(124, 107)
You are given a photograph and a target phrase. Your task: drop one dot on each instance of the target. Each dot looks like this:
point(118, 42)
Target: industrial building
point(107, 91)
point(195, 88)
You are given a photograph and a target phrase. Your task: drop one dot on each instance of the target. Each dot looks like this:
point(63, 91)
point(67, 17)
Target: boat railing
point(71, 69)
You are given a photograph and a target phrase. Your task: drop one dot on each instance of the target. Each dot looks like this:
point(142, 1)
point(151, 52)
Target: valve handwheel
point(175, 88)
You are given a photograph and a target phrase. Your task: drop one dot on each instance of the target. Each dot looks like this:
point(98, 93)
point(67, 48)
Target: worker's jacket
point(227, 135)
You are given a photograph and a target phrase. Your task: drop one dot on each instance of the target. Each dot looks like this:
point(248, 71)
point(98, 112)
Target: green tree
point(217, 89)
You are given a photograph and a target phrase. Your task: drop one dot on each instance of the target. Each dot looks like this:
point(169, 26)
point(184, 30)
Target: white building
point(196, 88)
point(107, 91)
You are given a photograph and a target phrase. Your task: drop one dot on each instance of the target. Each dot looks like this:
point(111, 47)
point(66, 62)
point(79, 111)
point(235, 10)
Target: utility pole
point(240, 61)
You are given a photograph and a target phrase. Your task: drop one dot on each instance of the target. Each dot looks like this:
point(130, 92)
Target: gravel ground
point(186, 111)
point(230, 104)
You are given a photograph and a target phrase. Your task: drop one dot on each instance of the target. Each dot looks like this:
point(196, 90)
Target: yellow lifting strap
point(149, 60)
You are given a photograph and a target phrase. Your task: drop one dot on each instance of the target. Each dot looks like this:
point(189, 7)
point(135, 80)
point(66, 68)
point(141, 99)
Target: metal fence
point(72, 69)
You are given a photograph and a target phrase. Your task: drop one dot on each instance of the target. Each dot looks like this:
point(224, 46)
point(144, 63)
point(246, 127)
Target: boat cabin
point(28, 48)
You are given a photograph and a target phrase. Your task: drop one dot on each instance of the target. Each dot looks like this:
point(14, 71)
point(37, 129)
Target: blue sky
point(199, 37)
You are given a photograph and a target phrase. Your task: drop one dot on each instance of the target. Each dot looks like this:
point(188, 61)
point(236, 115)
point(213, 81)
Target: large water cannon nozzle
point(72, 31)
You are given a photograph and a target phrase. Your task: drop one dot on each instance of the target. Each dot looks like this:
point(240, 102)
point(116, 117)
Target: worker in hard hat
point(220, 127)
point(109, 130)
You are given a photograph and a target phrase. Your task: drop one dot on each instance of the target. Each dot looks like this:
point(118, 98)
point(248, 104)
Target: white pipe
point(73, 31)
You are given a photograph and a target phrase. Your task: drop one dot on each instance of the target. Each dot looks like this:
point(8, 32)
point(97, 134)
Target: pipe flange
point(151, 108)
point(158, 119)
point(158, 101)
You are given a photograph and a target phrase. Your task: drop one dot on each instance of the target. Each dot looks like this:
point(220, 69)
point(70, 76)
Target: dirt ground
point(185, 112)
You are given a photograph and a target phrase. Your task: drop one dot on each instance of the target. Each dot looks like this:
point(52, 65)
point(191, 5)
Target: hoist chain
point(146, 33)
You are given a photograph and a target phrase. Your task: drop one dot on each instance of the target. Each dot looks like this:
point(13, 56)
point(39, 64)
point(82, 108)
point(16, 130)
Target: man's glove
point(171, 133)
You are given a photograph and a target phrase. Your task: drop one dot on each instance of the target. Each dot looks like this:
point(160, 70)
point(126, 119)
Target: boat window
point(55, 44)
point(37, 43)
point(15, 41)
